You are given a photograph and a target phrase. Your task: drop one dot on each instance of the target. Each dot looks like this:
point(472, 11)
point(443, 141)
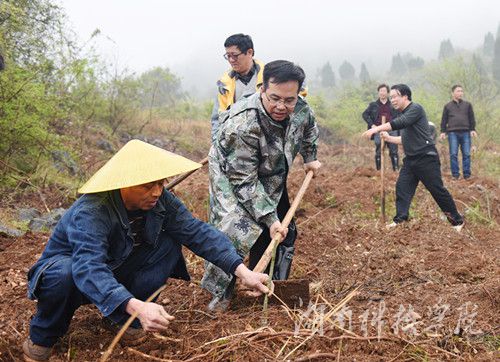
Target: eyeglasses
point(288, 103)
point(228, 56)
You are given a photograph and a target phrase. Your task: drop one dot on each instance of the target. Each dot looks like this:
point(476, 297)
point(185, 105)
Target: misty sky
point(187, 36)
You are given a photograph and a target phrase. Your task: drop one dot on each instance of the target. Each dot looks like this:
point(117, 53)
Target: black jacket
point(416, 135)
point(370, 114)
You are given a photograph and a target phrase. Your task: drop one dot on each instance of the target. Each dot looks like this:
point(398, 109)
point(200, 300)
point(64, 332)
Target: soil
point(418, 292)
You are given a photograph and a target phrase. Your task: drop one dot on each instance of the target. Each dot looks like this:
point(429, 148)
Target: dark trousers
point(284, 252)
point(424, 168)
point(393, 151)
point(143, 272)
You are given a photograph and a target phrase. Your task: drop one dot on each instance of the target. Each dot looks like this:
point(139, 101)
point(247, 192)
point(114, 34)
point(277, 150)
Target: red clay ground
point(424, 292)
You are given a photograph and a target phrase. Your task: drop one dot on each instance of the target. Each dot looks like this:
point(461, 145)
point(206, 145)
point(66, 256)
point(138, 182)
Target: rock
point(28, 214)
point(105, 145)
point(10, 232)
point(63, 161)
point(37, 224)
point(54, 216)
point(46, 222)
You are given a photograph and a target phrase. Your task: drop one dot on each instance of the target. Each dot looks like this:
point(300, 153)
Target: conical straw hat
point(137, 163)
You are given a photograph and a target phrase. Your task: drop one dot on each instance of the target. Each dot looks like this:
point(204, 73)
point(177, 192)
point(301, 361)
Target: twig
point(340, 349)
point(144, 355)
point(298, 346)
point(316, 355)
point(15, 330)
point(164, 338)
point(236, 335)
point(129, 321)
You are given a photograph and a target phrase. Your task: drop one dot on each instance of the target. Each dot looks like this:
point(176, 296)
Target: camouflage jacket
point(249, 165)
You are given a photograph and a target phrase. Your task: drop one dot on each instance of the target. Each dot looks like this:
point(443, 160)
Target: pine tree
point(327, 76)
point(398, 66)
point(446, 49)
point(496, 57)
point(489, 44)
point(364, 76)
point(346, 71)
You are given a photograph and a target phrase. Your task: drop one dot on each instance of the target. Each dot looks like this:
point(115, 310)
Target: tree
point(160, 87)
point(496, 57)
point(489, 44)
point(446, 49)
point(414, 63)
point(346, 71)
point(398, 66)
point(327, 76)
point(364, 77)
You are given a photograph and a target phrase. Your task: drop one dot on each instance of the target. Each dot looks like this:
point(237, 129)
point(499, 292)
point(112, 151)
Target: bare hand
point(313, 166)
point(256, 282)
point(152, 316)
point(442, 136)
point(369, 133)
point(473, 133)
point(276, 227)
point(384, 135)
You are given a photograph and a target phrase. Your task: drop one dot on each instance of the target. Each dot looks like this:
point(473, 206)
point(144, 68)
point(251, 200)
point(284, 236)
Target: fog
point(187, 36)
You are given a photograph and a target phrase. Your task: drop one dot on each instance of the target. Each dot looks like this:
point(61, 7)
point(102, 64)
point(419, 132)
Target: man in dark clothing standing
point(421, 162)
point(459, 124)
point(373, 117)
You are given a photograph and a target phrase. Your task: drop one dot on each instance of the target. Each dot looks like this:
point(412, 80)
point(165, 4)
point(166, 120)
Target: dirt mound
point(422, 291)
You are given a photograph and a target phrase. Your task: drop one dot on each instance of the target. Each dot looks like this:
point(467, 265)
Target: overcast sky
point(188, 35)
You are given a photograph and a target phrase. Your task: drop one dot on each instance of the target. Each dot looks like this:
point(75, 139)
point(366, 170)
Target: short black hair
point(282, 71)
point(383, 85)
point(241, 41)
point(455, 87)
point(403, 90)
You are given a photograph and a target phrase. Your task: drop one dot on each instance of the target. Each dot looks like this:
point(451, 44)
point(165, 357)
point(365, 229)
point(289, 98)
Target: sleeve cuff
point(233, 267)
point(270, 219)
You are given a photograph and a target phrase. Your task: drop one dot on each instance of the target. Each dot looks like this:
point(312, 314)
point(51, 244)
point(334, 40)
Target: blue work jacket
point(96, 234)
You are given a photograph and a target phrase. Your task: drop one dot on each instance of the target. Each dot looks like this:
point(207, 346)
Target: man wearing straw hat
point(254, 150)
point(120, 242)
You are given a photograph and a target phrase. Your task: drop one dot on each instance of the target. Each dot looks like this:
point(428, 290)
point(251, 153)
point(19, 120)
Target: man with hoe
point(249, 162)
point(421, 163)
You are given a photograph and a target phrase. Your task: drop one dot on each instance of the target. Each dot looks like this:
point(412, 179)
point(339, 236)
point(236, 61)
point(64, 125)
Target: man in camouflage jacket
point(258, 140)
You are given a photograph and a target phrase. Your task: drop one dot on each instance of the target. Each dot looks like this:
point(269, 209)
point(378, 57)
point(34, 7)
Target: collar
point(244, 78)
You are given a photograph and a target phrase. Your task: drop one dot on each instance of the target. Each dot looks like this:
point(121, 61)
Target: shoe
point(218, 304)
point(131, 337)
point(35, 353)
point(458, 228)
point(392, 225)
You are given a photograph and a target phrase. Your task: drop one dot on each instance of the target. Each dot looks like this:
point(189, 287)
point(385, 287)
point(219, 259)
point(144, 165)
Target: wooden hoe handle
point(266, 257)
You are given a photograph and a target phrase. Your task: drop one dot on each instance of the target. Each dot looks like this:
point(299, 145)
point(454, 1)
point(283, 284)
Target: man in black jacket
point(421, 162)
point(373, 117)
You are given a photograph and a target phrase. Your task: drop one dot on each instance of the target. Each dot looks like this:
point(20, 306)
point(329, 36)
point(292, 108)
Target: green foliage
point(364, 76)
point(398, 66)
point(446, 49)
point(159, 87)
point(346, 71)
point(496, 58)
point(489, 44)
point(327, 76)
